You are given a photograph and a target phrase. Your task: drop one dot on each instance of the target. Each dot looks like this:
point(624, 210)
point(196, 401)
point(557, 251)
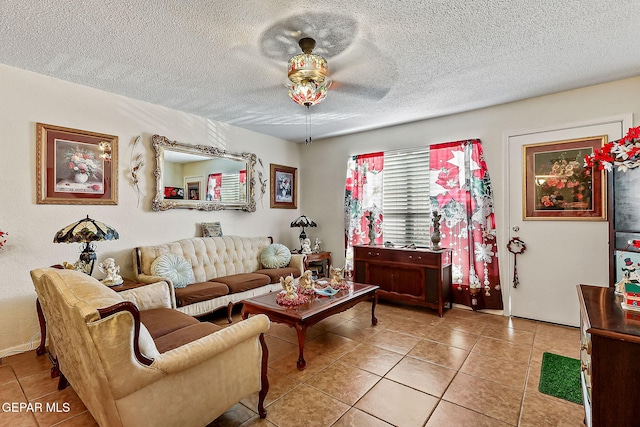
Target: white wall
point(27, 98)
point(324, 162)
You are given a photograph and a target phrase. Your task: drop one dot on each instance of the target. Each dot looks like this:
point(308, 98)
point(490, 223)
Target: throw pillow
point(175, 268)
point(275, 256)
point(211, 229)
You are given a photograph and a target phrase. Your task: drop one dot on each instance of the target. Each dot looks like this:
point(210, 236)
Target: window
point(230, 191)
point(406, 207)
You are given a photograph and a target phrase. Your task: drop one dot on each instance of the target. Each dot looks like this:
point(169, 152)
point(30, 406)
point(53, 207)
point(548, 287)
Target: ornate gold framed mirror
point(202, 177)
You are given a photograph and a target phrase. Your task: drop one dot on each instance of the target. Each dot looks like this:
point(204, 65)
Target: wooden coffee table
point(306, 315)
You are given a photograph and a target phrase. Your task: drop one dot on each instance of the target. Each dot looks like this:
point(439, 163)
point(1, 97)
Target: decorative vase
point(81, 178)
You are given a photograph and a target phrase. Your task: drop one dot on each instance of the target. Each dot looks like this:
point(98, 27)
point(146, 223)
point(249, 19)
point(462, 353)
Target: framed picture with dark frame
point(557, 186)
point(284, 187)
point(75, 167)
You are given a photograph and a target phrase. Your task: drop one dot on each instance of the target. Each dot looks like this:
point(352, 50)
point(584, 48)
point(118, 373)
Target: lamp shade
point(303, 221)
point(309, 93)
point(84, 231)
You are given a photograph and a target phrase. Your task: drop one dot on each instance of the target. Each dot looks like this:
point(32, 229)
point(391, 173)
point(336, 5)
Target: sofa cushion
point(184, 336)
point(276, 273)
point(174, 267)
point(244, 282)
point(202, 291)
point(275, 256)
point(162, 321)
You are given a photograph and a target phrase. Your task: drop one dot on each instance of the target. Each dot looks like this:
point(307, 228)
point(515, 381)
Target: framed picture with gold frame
point(284, 187)
point(75, 167)
point(557, 186)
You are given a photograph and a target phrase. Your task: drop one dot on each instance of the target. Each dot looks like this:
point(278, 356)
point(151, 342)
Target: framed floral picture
point(76, 167)
point(558, 186)
point(284, 183)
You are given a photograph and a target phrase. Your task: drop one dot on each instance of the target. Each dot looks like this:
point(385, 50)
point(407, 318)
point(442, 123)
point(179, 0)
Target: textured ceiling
point(391, 61)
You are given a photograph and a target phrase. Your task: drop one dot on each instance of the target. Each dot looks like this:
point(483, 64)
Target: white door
point(559, 254)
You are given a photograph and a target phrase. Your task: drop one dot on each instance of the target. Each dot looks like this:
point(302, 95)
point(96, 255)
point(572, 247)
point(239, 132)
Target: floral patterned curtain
point(461, 192)
point(362, 202)
point(214, 184)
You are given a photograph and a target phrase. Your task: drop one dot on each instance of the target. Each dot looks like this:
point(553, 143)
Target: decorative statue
point(112, 271)
point(436, 236)
point(337, 276)
point(306, 246)
point(305, 285)
point(289, 288)
point(316, 246)
point(372, 229)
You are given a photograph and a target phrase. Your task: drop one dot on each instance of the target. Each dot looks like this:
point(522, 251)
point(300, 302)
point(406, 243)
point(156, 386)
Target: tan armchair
point(113, 364)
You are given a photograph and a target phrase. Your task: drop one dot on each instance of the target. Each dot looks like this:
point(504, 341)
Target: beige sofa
point(226, 270)
point(134, 361)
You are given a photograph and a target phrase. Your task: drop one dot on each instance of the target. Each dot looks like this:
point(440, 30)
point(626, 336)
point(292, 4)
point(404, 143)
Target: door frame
point(625, 120)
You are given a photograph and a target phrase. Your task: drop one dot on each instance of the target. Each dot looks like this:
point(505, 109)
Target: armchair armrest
point(145, 278)
point(297, 260)
point(155, 295)
point(198, 351)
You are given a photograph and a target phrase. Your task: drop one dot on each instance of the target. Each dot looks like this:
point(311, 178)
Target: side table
point(322, 258)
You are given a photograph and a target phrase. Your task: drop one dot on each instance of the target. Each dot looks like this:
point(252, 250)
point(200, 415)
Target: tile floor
point(412, 369)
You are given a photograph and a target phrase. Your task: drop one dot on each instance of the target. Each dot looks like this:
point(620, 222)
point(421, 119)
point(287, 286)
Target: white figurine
point(337, 275)
point(306, 246)
point(112, 271)
point(316, 246)
point(306, 282)
point(289, 287)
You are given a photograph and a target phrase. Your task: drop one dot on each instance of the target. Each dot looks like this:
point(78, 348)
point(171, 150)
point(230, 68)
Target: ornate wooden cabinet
point(609, 357)
point(415, 276)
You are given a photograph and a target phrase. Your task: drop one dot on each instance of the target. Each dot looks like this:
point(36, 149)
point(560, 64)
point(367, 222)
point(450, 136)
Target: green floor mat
point(560, 377)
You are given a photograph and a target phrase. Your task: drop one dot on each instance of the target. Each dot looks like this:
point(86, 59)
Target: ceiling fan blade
point(373, 92)
point(363, 70)
point(252, 58)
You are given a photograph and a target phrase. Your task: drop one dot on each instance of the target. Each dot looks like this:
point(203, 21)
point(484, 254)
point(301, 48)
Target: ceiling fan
point(358, 68)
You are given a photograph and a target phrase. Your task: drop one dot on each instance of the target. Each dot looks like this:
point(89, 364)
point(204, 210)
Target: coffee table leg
point(301, 330)
point(374, 320)
point(244, 314)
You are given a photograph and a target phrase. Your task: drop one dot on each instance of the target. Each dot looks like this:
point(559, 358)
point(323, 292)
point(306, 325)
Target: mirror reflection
point(202, 177)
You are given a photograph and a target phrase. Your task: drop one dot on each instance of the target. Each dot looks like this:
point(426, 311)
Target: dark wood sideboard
point(609, 357)
point(415, 276)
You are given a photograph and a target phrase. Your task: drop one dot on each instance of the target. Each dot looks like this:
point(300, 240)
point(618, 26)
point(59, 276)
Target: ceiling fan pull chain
point(308, 140)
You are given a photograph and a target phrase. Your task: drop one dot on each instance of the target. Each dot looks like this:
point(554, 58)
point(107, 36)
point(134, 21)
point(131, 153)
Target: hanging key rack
point(516, 247)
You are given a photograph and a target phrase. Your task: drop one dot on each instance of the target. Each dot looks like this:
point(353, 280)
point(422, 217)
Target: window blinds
point(230, 190)
point(407, 210)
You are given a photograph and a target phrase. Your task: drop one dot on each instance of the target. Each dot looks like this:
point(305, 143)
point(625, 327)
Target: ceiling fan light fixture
point(307, 66)
point(309, 93)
